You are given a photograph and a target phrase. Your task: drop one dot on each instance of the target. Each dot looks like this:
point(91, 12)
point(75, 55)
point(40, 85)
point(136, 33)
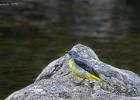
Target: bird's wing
point(86, 67)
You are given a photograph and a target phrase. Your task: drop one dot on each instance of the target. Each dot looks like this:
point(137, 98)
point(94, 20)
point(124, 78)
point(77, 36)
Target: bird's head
point(72, 54)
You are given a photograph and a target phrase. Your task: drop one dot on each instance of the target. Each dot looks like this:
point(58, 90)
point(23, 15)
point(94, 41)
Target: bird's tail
point(96, 78)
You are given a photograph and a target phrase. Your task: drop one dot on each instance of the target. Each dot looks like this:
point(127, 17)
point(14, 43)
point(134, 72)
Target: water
point(33, 34)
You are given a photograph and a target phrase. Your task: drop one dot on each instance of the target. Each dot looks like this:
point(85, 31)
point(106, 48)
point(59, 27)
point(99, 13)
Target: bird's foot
point(80, 83)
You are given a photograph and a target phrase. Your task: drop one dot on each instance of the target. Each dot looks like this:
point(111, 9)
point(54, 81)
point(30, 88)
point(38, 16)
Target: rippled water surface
point(33, 33)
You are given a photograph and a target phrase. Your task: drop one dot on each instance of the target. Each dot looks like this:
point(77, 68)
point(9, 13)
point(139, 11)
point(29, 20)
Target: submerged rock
point(54, 84)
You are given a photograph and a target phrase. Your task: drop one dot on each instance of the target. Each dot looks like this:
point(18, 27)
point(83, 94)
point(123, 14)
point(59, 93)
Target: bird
point(80, 69)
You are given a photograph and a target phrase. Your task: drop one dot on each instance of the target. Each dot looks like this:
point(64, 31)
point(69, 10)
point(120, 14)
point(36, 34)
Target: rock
point(54, 84)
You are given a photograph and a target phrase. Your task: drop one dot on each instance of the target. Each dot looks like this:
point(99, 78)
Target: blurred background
point(35, 32)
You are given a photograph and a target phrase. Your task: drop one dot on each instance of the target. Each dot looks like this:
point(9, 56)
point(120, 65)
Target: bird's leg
point(80, 83)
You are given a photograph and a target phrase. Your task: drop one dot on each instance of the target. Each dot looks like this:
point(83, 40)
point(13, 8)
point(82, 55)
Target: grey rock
point(54, 84)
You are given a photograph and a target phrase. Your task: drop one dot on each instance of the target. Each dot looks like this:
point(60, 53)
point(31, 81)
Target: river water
point(33, 33)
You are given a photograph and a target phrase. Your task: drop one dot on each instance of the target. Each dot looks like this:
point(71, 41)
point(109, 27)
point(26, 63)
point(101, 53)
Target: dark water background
point(35, 32)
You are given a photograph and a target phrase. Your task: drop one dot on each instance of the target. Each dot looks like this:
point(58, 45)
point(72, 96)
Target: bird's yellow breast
point(79, 72)
point(73, 69)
